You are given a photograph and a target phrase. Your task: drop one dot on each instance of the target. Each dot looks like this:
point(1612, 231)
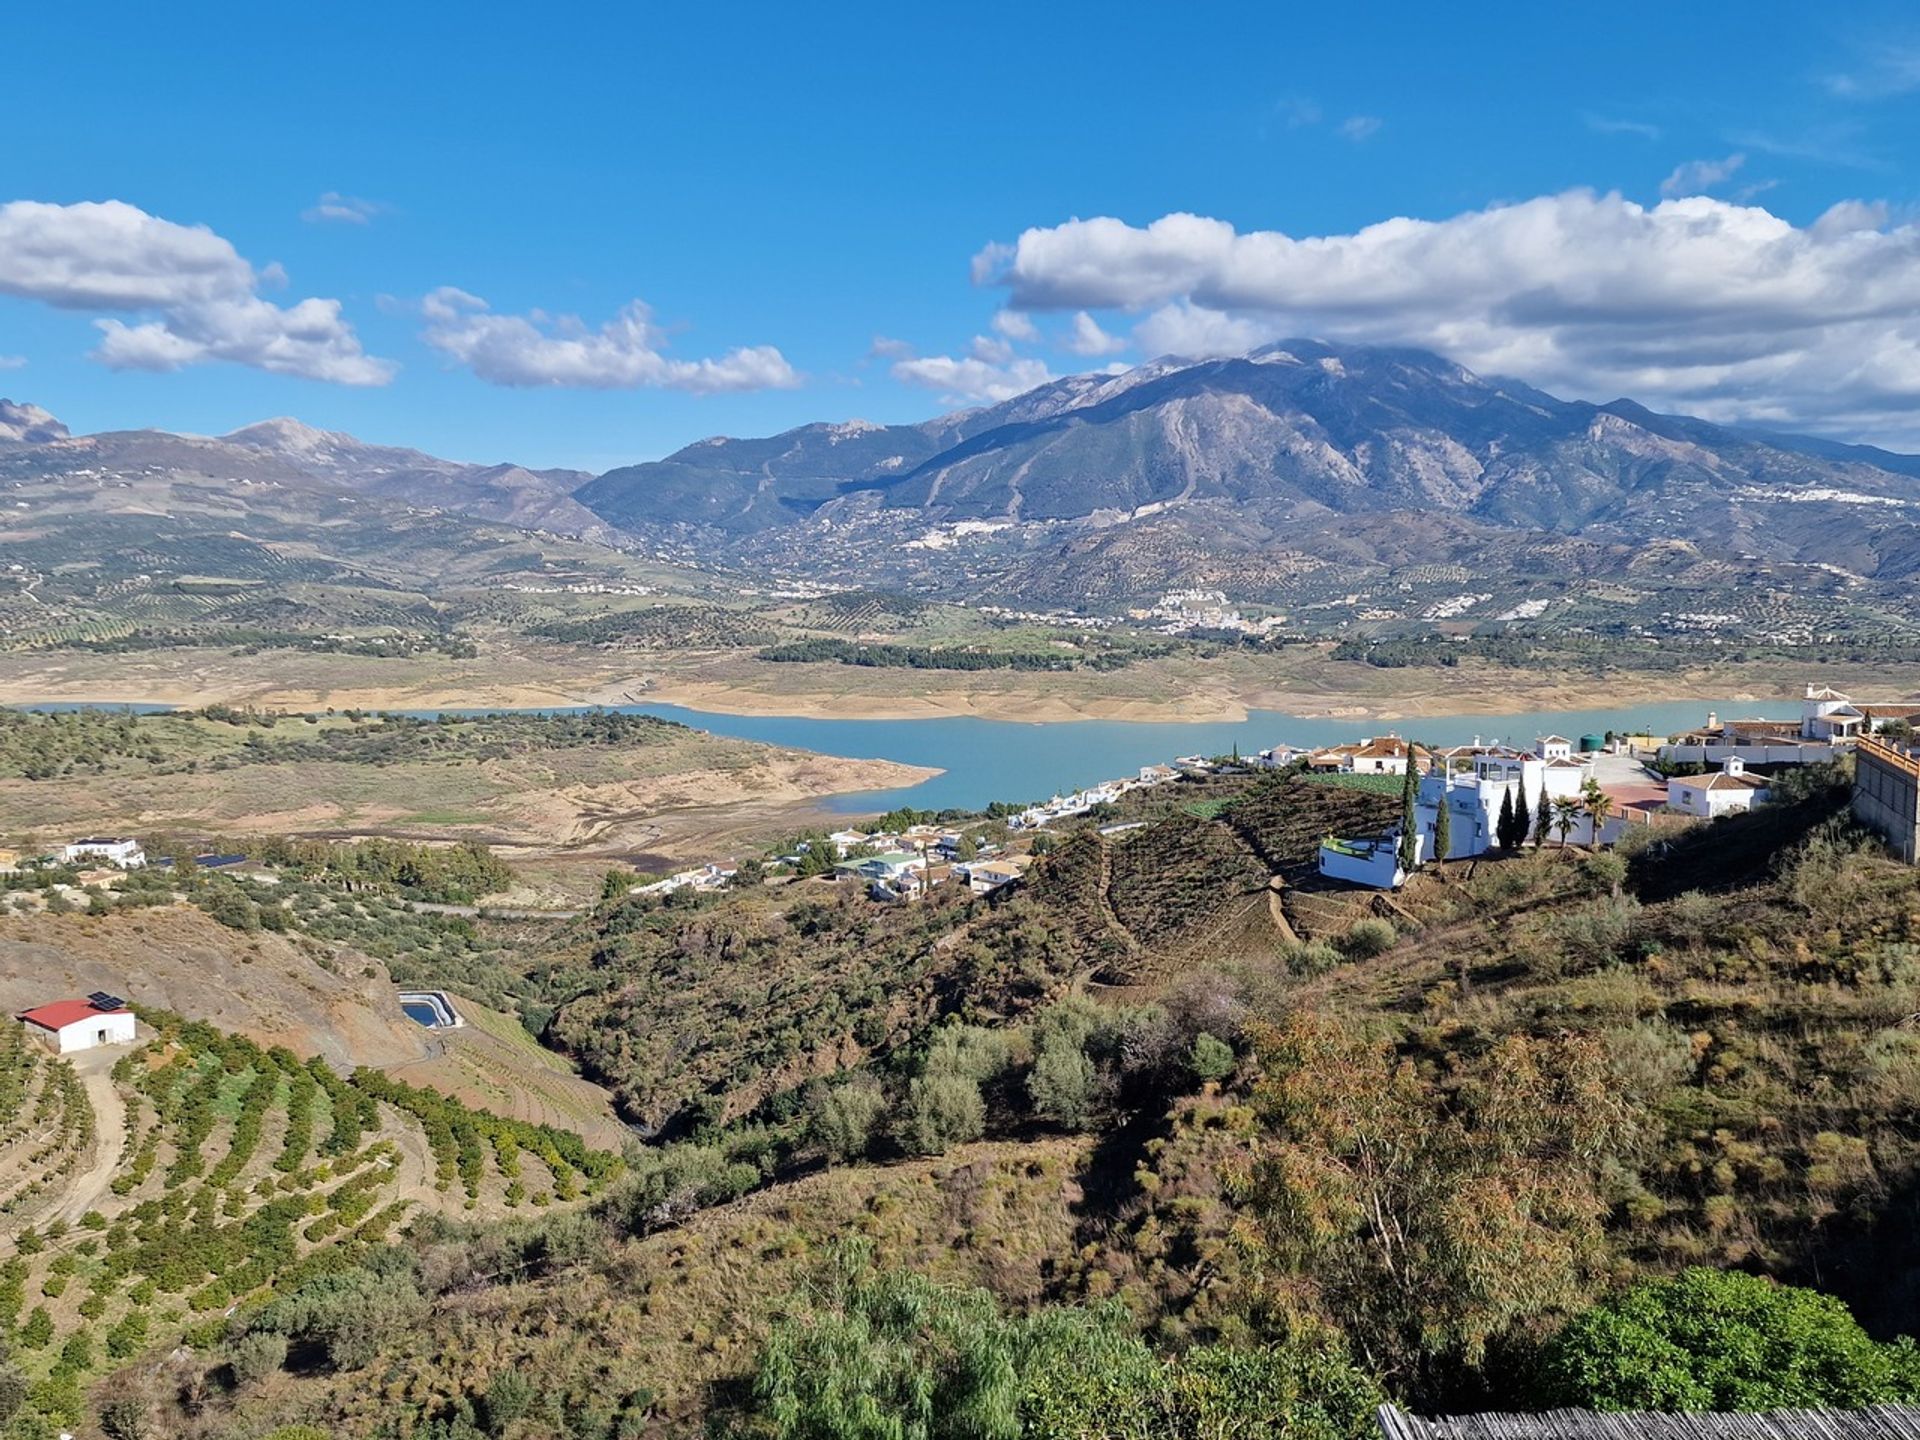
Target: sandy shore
point(1192, 690)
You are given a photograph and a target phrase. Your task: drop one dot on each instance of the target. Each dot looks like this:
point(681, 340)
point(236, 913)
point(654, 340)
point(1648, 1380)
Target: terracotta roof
point(1719, 781)
point(1385, 745)
point(1555, 740)
point(62, 1013)
point(1890, 712)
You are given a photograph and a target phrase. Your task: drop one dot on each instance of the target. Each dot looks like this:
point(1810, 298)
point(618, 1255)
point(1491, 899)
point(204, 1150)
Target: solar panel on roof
point(102, 1000)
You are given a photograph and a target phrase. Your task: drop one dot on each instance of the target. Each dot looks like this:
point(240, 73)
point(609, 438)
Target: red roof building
point(69, 1025)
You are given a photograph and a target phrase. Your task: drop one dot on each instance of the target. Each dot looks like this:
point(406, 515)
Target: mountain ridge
point(1240, 451)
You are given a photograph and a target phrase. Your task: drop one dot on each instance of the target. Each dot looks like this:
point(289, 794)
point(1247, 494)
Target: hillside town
point(1496, 797)
point(1469, 800)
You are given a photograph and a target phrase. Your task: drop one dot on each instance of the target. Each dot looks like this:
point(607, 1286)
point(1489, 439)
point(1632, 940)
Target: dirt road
point(95, 1067)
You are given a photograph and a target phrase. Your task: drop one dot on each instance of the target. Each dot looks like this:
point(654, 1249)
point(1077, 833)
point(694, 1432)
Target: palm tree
point(1598, 804)
point(1566, 814)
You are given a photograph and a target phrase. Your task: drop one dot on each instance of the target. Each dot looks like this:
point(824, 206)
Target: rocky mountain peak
point(27, 424)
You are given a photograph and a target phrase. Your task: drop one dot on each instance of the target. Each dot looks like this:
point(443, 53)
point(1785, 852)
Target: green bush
point(1369, 937)
point(1210, 1058)
point(1723, 1340)
point(1064, 1084)
point(844, 1119)
point(889, 1355)
point(942, 1110)
point(257, 1355)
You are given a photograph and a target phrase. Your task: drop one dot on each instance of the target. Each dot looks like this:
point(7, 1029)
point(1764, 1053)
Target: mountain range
point(1099, 489)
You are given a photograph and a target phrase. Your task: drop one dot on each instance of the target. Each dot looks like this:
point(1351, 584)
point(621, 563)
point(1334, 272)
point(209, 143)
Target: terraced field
point(46, 1127)
point(234, 1170)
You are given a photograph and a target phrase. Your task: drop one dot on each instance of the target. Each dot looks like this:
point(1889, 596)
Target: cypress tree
point(1503, 827)
point(1409, 815)
point(1543, 822)
point(1443, 822)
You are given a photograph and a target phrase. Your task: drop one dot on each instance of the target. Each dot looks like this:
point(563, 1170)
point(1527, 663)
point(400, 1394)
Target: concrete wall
point(1886, 797)
point(1752, 754)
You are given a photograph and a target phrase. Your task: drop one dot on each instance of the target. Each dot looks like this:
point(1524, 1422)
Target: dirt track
point(95, 1067)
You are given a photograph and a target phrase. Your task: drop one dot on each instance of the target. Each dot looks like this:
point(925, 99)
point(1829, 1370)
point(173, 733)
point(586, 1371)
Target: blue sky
point(828, 205)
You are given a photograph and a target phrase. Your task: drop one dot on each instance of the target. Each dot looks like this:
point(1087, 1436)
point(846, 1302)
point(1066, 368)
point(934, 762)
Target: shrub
point(942, 1110)
point(1723, 1340)
point(509, 1396)
point(257, 1355)
point(844, 1119)
point(1369, 937)
point(665, 1184)
point(1210, 1059)
point(124, 1418)
point(350, 1315)
point(1064, 1084)
point(13, 1391)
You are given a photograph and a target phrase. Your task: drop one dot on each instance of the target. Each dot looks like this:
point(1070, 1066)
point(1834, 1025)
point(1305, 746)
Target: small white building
point(1553, 747)
point(984, 876)
point(1727, 790)
point(120, 850)
point(66, 1026)
point(1373, 861)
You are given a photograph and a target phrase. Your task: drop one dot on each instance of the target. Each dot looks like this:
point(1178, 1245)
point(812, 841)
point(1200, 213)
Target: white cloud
point(1015, 326)
point(623, 354)
point(13, 362)
point(1694, 304)
point(1087, 338)
point(1360, 127)
point(337, 209)
point(1186, 329)
point(970, 379)
point(1696, 177)
point(1610, 125)
point(1888, 71)
point(990, 348)
point(990, 258)
point(111, 256)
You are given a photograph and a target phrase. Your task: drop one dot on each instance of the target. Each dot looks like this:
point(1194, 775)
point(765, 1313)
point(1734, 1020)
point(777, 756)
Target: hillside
point(597, 787)
point(528, 499)
point(1586, 1072)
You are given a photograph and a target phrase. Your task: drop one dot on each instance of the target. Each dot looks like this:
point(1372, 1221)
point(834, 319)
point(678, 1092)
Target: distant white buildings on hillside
point(1829, 725)
point(123, 851)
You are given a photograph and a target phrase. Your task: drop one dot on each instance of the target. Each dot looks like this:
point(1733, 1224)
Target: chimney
point(1713, 719)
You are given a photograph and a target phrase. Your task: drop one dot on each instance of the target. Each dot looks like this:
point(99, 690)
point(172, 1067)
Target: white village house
point(120, 850)
point(1472, 782)
point(67, 1026)
point(1725, 791)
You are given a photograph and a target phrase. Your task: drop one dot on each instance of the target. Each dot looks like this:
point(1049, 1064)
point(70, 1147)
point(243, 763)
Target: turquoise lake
point(988, 760)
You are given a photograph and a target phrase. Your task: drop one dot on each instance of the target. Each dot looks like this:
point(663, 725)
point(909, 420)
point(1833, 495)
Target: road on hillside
point(95, 1069)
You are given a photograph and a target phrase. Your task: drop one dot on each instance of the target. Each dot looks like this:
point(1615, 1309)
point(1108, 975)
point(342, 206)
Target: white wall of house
point(119, 852)
point(1690, 795)
point(112, 1028)
point(1378, 864)
point(1784, 753)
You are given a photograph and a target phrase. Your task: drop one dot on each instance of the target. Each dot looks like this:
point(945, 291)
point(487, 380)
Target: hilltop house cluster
point(1490, 792)
point(1558, 786)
